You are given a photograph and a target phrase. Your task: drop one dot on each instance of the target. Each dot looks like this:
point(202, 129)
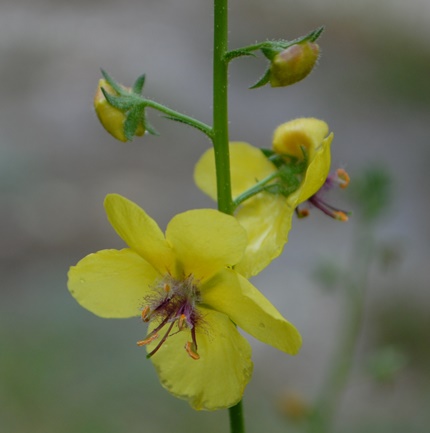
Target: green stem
point(237, 424)
point(220, 107)
point(179, 117)
point(220, 142)
point(257, 188)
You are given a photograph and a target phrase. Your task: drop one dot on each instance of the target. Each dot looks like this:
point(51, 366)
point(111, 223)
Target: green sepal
point(132, 122)
point(150, 129)
point(138, 85)
point(239, 53)
point(117, 87)
point(262, 81)
point(123, 103)
point(268, 153)
point(313, 36)
point(271, 51)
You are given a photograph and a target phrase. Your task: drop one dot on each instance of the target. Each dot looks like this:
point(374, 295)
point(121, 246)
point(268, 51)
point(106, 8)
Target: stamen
point(302, 213)
point(145, 313)
point(147, 340)
point(193, 336)
point(329, 210)
point(343, 177)
point(172, 305)
point(161, 341)
point(340, 216)
point(182, 322)
point(191, 349)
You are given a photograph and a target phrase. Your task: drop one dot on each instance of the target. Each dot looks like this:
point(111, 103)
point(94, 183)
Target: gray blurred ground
point(63, 370)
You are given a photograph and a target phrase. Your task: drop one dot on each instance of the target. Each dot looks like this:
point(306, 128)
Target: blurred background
point(64, 370)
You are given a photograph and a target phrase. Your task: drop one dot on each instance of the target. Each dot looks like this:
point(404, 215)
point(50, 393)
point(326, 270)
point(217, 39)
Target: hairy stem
point(220, 106)
point(220, 142)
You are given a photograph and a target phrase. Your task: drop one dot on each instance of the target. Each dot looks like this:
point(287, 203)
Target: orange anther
point(145, 313)
point(181, 321)
point(341, 216)
point(344, 177)
point(147, 340)
point(166, 287)
point(190, 347)
point(302, 213)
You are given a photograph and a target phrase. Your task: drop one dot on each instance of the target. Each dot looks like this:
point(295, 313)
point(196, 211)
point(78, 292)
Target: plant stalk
point(220, 107)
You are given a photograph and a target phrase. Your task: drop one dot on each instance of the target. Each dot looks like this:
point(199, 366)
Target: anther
point(182, 322)
point(340, 216)
point(191, 349)
point(147, 340)
point(145, 313)
point(166, 287)
point(343, 177)
point(302, 213)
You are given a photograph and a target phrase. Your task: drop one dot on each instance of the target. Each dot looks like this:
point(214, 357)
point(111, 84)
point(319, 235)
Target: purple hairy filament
point(173, 302)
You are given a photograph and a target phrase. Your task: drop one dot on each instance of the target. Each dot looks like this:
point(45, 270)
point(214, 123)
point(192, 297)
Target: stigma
point(172, 307)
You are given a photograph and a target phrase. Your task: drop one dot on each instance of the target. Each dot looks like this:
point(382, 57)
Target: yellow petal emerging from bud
point(111, 118)
point(293, 64)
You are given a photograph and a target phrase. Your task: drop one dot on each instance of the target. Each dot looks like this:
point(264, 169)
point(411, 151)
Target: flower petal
point(231, 294)
point(111, 283)
point(316, 173)
point(215, 381)
point(248, 166)
point(290, 137)
point(140, 232)
point(312, 134)
point(205, 241)
point(267, 220)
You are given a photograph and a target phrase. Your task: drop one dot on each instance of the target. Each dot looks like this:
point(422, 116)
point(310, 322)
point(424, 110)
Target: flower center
point(172, 303)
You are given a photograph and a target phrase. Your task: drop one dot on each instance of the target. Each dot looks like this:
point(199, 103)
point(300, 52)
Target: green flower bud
point(111, 118)
point(293, 64)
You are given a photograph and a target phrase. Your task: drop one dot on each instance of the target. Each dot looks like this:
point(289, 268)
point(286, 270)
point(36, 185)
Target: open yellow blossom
point(267, 216)
point(184, 285)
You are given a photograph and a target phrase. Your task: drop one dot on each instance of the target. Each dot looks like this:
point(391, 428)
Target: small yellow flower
point(267, 217)
point(183, 283)
point(111, 118)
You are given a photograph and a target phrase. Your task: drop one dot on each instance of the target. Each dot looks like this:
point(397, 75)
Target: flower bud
point(111, 118)
point(293, 64)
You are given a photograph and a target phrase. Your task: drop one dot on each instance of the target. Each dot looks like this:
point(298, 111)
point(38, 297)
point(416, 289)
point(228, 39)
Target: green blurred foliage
point(371, 193)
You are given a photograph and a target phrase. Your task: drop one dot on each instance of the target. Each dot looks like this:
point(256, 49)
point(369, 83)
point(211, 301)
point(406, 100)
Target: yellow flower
point(267, 216)
point(184, 285)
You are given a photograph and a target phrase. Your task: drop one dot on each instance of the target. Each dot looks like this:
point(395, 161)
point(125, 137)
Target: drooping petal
point(112, 283)
point(248, 166)
point(206, 240)
point(140, 232)
point(316, 172)
point(232, 294)
point(267, 220)
point(215, 381)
